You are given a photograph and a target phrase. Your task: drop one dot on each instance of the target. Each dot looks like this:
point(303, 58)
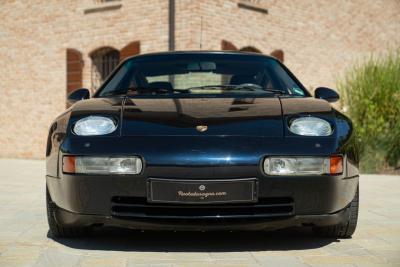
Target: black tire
point(344, 230)
point(57, 229)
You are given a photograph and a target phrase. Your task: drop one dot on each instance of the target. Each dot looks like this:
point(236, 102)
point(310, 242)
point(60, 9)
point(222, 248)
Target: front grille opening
point(215, 212)
point(137, 207)
point(143, 201)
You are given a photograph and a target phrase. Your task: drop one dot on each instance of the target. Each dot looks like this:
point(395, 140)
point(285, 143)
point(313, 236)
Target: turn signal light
point(102, 165)
point(336, 165)
point(69, 164)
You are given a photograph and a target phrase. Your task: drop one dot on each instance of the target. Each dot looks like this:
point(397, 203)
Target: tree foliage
point(371, 97)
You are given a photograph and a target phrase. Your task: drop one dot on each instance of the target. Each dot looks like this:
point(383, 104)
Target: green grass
point(370, 93)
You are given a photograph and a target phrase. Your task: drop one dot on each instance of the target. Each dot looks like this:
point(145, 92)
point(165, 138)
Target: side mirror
point(77, 95)
point(327, 94)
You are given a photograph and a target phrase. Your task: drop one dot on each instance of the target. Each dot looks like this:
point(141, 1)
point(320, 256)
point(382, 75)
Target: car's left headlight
point(94, 125)
point(303, 165)
point(310, 126)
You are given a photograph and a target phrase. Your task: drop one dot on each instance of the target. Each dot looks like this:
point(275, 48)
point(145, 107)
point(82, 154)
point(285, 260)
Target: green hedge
point(370, 94)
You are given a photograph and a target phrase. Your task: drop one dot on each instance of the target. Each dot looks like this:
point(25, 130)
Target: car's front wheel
point(57, 229)
point(343, 230)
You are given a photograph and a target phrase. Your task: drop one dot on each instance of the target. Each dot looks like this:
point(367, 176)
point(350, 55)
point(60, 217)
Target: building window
point(104, 61)
point(74, 70)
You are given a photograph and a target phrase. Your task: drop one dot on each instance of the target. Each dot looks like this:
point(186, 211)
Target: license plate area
point(202, 191)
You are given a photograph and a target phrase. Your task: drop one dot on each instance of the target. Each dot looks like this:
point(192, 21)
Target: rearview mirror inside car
point(201, 66)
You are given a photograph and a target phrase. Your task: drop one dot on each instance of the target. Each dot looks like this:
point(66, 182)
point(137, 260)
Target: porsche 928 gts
point(202, 141)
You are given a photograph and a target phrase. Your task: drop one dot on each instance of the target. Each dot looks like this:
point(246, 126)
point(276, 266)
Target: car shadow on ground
point(115, 239)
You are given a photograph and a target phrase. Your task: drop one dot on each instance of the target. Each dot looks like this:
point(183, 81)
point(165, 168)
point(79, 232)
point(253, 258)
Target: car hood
point(220, 116)
point(305, 105)
point(241, 131)
point(263, 117)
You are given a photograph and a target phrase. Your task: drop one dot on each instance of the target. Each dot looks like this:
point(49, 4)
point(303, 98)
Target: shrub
point(371, 97)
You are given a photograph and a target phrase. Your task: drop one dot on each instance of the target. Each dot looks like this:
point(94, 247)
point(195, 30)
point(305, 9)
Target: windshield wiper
point(134, 91)
point(160, 90)
point(242, 87)
point(225, 87)
point(145, 90)
point(256, 87)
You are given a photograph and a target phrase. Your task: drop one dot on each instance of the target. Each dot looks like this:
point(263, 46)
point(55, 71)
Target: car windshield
point(201, 75)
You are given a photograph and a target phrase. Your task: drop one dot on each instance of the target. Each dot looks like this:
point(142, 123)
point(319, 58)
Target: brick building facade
point(48, 48)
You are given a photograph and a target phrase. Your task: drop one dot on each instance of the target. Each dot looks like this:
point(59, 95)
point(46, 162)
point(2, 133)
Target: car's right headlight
point(94, 125)
point(102, 164)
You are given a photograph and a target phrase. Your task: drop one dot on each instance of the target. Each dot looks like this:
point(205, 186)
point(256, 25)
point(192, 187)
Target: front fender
point(57, 134)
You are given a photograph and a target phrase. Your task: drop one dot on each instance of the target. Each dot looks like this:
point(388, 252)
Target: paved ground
point(24, 239)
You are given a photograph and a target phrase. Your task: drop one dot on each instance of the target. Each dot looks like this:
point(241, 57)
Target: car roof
point(202, 52)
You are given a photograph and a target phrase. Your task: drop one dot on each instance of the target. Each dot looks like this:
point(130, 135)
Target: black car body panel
point(241, 132)
point(223, 116)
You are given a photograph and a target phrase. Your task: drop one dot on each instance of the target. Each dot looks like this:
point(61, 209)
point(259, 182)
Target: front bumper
point(121, 199)
point(282, 202)
point(217, 224)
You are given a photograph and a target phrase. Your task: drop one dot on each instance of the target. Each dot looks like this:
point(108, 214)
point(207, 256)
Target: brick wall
point(34, 38)
point(319, 39)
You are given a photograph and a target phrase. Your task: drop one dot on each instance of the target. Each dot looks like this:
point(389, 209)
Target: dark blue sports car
point(202, 141)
